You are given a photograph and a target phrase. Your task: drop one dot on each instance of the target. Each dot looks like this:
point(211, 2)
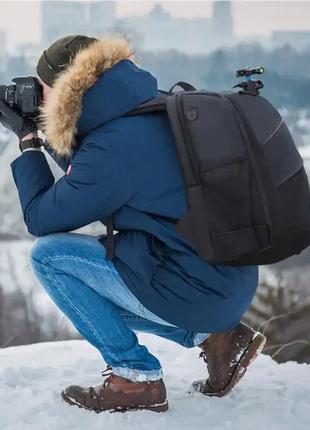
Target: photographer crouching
point(125, 166)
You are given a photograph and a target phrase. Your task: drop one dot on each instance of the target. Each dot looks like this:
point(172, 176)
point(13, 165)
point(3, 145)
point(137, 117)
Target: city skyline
point(269, 16)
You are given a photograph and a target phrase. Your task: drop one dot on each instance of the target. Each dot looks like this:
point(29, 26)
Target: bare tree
point(20, 320)
point(284, 316)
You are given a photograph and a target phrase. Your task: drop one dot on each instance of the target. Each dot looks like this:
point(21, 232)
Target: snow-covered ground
point(270, 397)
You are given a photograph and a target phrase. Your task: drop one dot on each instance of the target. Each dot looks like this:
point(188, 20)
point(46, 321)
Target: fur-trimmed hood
point(101, 84)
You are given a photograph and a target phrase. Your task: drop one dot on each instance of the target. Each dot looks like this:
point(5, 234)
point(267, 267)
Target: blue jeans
point(86, 286)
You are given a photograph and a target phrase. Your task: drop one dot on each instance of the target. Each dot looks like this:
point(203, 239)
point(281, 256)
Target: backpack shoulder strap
point(157, 104)
point(182, 139)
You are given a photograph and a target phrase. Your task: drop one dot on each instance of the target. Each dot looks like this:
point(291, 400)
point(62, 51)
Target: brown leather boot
point(117, 394)
point(228, 356)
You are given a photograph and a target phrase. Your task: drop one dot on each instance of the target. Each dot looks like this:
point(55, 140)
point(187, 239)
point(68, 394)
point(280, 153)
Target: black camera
point(248, 72)
point(25, 96)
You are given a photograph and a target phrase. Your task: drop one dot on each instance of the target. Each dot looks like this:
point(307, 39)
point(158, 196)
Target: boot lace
point(107, 373)
point(203, 355)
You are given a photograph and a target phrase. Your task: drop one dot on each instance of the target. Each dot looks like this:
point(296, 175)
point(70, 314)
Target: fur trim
point(58, 117)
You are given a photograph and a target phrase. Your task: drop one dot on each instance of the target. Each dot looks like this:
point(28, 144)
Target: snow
point(271, 396)
point(305, 151)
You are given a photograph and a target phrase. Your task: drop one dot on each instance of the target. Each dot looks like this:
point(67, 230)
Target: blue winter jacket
point(128, 166)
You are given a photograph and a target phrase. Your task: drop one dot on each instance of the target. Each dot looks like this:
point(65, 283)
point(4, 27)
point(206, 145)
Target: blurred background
point(204, 43)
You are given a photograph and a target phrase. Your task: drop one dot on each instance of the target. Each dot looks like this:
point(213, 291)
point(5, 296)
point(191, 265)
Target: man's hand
point(15, 122)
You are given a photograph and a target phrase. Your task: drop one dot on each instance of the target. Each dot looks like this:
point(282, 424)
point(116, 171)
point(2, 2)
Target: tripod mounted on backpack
point(250, 86)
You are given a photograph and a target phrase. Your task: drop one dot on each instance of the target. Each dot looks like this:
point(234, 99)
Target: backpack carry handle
point(184, 85)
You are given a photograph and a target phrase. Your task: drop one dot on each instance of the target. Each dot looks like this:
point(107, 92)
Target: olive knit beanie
point(59, 56)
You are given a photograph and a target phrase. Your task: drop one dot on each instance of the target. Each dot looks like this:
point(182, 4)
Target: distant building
point(30, 51)
point(2, 43)
point(158, 30)
point(297, 39)
point(61, 18)
point(101, 17)
point(222, 24)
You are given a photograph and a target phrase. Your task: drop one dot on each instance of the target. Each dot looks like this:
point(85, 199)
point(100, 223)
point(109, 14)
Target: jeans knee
point(43, 248)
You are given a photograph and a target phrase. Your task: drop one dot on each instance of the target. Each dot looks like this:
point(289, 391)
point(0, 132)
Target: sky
point(251, 17)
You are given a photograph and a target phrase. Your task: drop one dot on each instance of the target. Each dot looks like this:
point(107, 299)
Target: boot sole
point(249, 355)
point(161, 407)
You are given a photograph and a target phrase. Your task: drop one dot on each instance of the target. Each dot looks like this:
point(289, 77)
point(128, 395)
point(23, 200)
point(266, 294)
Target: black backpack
point(247, 190)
